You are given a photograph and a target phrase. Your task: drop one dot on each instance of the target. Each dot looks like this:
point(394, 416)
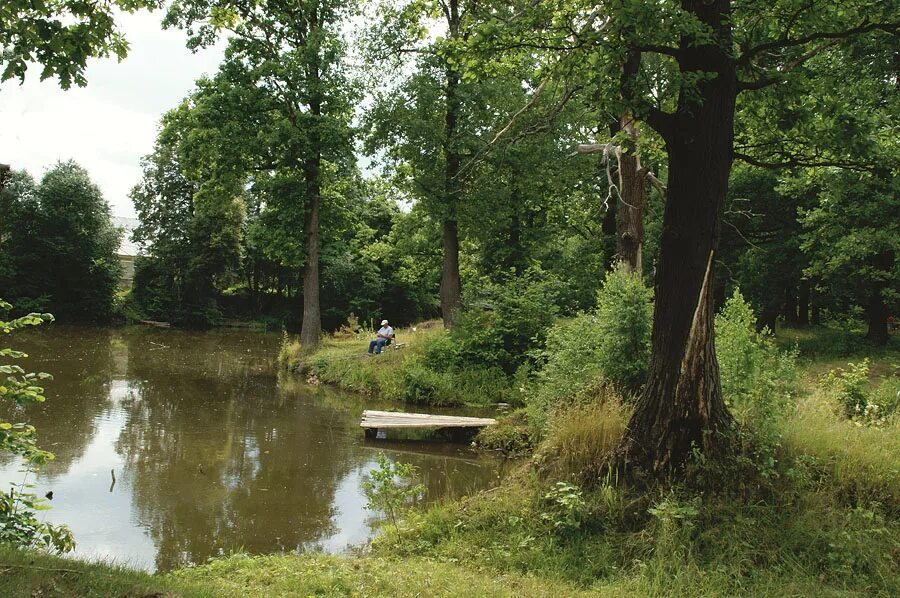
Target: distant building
point(128, 249)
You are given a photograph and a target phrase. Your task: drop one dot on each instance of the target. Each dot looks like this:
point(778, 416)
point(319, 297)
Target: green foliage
point(607, 347)
point(19, 524)
point(390, 487)
point(850, 391)
point(758, 380)
point(624, 311)
point(760, 384)
point(566, 507)
point(501, 323)
point(58, 246)
point(60, 36)
point(853, 243)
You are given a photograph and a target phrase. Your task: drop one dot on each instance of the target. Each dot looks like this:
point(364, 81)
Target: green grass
point(322, 575)
point(825, 348)
point(30, 574)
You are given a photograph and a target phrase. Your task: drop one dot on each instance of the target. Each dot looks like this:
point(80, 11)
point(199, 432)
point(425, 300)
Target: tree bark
point(451, 288)
point(311, 327)
point(876, 310)
point(681, 406)
point(877, 315)
point(633, 192)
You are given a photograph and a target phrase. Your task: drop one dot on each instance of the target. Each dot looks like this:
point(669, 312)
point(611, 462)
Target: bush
point(758, 380)
point(422, 386)
point(512, 436)
point(500, 324)
point(625, 314)
point(849, 391)
point(585, 354)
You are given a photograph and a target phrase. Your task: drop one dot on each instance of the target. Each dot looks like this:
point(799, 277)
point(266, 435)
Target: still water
point(212, 453)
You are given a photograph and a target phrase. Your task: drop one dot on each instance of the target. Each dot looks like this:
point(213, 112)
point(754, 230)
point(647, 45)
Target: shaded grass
point(823, 348)
point(861, 462)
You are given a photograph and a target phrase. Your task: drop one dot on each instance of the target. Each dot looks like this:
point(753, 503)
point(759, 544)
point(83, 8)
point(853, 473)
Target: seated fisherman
point(385, 334)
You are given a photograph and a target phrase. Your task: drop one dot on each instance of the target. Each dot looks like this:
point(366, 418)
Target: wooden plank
point(393, 419)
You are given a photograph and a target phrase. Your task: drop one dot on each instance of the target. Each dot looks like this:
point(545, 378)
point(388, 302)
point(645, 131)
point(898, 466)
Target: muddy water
point(210, 451)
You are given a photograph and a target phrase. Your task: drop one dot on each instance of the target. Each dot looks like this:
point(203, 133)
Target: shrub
point(758, 380)
point(571, 364)
point(625, 315)
point(422, 386)
point(849, 391)
point(512, 436)
point(586, 354)
point(500, 324)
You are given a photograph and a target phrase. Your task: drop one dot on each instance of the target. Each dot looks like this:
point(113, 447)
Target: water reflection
point(210, 453)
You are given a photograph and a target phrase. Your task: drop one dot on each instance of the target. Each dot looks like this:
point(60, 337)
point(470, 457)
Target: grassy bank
point(29, 574)
point(410, 374)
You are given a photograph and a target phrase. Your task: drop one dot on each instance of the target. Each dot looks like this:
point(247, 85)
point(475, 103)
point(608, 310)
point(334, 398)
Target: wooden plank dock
point(384, 420)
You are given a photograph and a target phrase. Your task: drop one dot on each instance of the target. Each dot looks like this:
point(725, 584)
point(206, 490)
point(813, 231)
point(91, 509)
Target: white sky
point(108, 125)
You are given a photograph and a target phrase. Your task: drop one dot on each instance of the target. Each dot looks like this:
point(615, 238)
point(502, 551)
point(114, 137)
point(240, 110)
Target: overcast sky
point(108, 125)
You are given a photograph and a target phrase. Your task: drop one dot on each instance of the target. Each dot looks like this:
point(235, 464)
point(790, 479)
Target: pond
point(173, 447)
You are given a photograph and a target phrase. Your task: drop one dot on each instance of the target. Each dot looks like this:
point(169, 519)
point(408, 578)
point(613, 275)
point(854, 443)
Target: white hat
point(383, 322)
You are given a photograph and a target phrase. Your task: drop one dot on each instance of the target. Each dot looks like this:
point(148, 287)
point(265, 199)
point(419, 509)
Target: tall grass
point(861, 462)
point(581, 440)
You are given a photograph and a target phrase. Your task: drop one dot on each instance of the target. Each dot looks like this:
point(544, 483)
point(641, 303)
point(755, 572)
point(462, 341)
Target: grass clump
point(581, 440)
point(513, 436)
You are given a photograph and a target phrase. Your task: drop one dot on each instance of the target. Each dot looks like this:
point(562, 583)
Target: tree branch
point(657, 49)
point(863, 27)
point(795, 162)
point(773, 79)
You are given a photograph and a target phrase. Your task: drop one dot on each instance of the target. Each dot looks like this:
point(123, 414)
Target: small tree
point(19, 525)
point(390, 487)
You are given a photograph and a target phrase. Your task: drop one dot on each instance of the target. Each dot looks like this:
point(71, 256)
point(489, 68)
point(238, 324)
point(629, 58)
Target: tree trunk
point(790, 307)
point(633, 192)
point(877, 311)
point(803, 303)
point(877, 315)
point(311, 327)
point(681, 406)
point(451, 288)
